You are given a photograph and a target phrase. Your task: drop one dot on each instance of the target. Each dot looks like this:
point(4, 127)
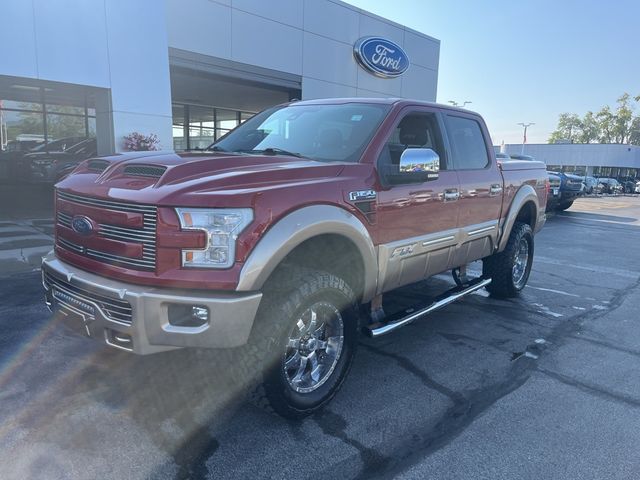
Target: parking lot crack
point(192, 455)
point(608, 345)
point(592, 389)
point(335, 425)
point(414, 370)
point(456, 420)
point(454, 338)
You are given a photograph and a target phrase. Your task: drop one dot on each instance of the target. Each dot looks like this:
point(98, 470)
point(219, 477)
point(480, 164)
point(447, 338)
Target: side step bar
point(378, 329)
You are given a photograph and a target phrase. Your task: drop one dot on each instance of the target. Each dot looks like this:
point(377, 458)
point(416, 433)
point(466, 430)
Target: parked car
point(11, 156)
point(609, 186)
point(590, 184)
point(571, 187)
point(637, 189)
point(628, 186)
point(553, 198)
point(285, 245)
point(49, 167)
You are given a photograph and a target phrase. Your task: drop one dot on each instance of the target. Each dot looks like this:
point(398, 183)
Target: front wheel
point(304, 342)
point(509, 270)
point(565, 206)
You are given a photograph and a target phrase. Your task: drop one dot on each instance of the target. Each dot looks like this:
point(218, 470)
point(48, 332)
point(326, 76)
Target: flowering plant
point(137, 142)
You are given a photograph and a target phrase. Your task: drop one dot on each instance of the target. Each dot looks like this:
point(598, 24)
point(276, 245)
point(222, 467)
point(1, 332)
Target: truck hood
point(170, 178)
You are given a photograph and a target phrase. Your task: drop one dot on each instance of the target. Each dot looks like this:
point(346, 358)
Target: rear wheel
point(303, 343)
point(509, 270)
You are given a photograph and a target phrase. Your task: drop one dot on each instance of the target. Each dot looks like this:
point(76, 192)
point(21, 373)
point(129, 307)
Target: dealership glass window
point(21, 129)
point(197, 126)
point(201, 127)
point(179, 134)
point(32, 116)
point(245, 116)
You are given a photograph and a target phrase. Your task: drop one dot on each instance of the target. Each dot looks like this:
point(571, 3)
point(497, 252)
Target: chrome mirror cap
point(425, 160)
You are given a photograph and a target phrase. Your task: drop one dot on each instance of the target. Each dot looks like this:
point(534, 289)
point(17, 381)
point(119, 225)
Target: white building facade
point(185, 70)
point(599, 159)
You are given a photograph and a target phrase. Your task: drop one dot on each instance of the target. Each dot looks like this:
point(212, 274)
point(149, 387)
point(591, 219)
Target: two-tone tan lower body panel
point(413, 259)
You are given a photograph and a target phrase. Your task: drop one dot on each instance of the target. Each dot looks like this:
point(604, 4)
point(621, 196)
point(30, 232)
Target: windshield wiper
point(274, 151)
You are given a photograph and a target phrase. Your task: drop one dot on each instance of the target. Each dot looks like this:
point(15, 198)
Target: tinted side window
point(467, 143)
point(415, 130)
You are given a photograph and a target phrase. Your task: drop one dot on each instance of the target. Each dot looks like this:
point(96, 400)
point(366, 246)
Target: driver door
point(417, 219)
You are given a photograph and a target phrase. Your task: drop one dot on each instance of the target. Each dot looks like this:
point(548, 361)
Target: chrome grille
point(76, 297)
point(145, 235)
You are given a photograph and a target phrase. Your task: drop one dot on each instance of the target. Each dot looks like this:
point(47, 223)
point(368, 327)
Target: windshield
point(320, 132)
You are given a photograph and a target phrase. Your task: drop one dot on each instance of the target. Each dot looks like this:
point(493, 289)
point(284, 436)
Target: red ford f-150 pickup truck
point(283, 237)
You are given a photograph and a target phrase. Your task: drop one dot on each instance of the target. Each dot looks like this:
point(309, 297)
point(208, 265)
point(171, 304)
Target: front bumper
point(569, 195)
point(136, 318)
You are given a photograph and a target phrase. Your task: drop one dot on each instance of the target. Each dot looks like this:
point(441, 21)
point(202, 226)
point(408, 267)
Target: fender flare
point(303, 224)
point(525, 194)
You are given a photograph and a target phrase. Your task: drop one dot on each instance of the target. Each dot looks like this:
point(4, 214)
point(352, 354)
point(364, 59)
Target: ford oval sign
point(381, 57)
point(81, 225)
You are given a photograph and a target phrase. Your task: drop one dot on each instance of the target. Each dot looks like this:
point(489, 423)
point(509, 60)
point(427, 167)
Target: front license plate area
point(78, 312)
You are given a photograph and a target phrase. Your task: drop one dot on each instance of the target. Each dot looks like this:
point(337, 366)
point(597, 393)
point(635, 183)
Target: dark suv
point(571, 187)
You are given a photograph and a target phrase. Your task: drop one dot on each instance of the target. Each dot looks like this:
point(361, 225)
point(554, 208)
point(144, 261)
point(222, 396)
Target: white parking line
point(559, 292)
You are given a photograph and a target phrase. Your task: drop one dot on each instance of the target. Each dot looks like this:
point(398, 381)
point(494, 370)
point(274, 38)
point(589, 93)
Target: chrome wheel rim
point(520, 263)
point(314, 347)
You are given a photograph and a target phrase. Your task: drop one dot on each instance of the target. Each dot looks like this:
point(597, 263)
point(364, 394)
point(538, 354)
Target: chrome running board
point(393, 323)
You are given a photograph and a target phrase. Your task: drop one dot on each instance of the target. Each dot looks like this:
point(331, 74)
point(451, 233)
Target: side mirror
point(422, 162)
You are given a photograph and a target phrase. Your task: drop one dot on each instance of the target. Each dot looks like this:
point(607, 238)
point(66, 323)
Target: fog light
point(188, 315)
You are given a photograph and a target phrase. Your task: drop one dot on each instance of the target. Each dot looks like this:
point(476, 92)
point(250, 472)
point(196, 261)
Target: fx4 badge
point(362, 195)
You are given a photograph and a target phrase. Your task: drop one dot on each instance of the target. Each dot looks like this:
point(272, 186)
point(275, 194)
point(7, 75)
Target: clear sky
point(527, 61)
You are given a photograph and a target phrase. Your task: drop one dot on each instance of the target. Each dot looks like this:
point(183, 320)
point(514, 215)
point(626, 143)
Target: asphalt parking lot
point(544, 386)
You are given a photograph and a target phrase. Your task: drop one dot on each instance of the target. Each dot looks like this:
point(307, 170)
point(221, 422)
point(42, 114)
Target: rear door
point(417, 220)
point(481, 185)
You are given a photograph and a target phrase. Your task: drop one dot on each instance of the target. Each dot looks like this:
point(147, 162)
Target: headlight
point(222, 227)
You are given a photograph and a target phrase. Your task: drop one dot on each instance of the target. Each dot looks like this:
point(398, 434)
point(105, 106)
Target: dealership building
point(190, 70)
point(594, 159)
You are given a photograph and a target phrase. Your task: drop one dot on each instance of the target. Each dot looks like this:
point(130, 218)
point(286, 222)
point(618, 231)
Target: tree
point(622, 119)
point(604, 126)
point(590, 130)
point(568, 130)
point(634, 134)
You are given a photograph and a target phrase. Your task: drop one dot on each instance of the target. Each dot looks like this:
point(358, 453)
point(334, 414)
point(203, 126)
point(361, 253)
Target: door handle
point(451, 195)
point(495, 189)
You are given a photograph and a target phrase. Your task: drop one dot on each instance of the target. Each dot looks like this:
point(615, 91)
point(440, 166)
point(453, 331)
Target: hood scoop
point(149, 171)
point(98, 165)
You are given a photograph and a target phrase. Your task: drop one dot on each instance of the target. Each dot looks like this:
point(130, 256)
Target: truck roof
point(380, 101)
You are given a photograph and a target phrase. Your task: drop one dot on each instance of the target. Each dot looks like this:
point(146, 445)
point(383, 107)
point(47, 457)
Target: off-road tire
point(500, 266)
point(285, 300)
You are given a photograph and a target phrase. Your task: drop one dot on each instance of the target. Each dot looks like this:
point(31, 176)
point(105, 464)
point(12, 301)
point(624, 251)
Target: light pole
point(456, 104)
point(524, 137)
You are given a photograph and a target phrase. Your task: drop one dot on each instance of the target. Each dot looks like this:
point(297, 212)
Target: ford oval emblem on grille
point(82, 225)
